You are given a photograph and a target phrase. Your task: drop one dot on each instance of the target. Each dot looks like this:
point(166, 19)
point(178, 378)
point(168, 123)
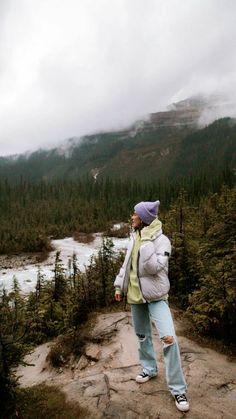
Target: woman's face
point(136, 220)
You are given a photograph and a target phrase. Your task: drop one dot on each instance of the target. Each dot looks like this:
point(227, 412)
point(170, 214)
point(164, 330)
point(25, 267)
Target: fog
point(70, 68)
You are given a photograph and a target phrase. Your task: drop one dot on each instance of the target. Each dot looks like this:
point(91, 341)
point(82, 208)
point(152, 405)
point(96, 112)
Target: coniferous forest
point(198, 216)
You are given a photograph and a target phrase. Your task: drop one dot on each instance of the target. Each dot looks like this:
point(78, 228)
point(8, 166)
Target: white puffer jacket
point(152, 267)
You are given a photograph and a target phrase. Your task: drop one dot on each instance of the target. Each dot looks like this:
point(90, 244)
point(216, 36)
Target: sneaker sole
point(142, 380)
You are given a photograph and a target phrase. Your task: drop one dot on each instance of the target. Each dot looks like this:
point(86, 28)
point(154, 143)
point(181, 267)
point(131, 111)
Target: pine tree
point(212, 306)
point(12, 331)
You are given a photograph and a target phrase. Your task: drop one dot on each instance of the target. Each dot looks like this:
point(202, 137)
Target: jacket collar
point(152, 231)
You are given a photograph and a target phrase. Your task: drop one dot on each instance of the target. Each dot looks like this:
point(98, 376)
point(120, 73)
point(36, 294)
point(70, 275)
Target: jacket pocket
point(154, 287)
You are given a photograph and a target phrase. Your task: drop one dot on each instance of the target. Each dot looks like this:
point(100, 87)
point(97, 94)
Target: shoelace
point(181, 398)
point(143, 374)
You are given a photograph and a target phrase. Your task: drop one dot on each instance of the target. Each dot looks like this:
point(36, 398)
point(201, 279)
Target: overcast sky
point(74, 67)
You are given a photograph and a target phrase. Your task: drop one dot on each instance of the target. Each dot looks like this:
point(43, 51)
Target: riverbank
point(15, 261)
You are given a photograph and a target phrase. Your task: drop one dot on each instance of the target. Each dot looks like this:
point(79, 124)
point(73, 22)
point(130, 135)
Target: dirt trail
point(103, 380)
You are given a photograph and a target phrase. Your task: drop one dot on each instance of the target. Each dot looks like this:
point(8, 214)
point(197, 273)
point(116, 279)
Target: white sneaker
point(142, 377)
point(181, 402)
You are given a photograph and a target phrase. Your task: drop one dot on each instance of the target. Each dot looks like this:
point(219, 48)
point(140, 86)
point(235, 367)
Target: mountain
point(166, 144)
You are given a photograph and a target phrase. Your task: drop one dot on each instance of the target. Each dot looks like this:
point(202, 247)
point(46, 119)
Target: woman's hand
point(118, 294)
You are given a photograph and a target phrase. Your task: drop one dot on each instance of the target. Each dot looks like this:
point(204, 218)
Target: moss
point(43, 401)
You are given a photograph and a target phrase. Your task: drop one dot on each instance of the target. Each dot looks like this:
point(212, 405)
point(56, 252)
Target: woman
point(143, 277)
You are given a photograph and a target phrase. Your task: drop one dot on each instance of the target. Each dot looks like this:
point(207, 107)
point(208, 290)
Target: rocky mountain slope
point(155, 147)
point(103, 379)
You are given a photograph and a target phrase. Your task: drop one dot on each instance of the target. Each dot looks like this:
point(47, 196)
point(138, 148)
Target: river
point(27, 275)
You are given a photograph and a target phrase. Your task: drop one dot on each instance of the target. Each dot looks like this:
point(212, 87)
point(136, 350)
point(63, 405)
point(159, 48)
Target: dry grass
point(42, 256)
point(65, 347)
point(120, 233)
point(83, 237)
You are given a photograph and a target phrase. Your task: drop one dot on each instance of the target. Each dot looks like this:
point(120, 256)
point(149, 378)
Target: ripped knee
point(168, 340)
point(141, 337)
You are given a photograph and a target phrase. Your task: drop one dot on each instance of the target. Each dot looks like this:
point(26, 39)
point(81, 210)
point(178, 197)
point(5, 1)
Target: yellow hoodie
point(134, 293)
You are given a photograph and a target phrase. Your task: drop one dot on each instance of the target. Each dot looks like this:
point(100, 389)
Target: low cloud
point(71, 68)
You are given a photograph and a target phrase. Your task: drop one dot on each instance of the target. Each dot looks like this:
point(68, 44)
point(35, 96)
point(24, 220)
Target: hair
point(142, 225)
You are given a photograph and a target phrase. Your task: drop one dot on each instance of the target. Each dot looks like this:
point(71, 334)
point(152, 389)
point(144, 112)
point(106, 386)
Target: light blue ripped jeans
point(159, 313)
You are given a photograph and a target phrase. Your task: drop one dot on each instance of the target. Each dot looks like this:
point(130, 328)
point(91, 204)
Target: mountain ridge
point(155, 147)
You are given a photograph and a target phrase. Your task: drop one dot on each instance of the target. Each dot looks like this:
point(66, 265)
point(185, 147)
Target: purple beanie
point(147, 211)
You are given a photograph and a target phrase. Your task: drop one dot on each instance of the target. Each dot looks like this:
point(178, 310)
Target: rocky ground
point(103, 379)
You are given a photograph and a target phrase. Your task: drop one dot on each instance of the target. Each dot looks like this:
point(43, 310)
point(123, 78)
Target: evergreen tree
point(212, 306)
point(12, 330)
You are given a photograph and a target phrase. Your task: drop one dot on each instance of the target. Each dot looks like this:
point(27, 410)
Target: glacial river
point(27, 275)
